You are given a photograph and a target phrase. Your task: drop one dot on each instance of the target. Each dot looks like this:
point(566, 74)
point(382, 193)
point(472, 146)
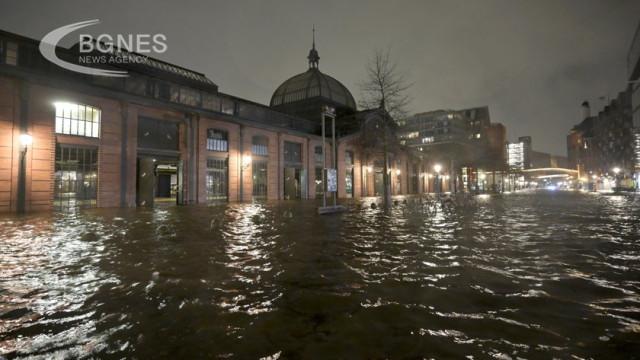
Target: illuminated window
point(260, 180)
point(76, 177)
point(217, 140)
point(348, 178)
point(75, 119)
point(217, 180)
point(428, 140)
point(260, 147)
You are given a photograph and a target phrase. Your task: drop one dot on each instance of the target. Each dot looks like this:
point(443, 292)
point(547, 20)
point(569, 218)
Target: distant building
point(599, 144)
point(558, 161)
point(527, 150)
point(462, 141)
point(633, 71)
point(540, 160)
point(515, 154)
point(546, 160)
point(581, 145)
point(497, 138)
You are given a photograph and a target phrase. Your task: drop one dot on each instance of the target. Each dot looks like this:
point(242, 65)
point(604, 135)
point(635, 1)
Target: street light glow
point(26, 139)
point(437, 168)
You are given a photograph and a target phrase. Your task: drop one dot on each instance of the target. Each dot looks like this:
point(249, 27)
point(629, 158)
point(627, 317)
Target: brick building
point(162, 133)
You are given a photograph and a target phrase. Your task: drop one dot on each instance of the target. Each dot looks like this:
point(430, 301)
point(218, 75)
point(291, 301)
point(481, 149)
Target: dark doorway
point(292, 183)
point(377, 183)
point(158, 180)
point(166, 181)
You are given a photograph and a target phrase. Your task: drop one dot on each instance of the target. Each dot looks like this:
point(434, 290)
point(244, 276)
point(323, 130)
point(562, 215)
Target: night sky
point(532, 62)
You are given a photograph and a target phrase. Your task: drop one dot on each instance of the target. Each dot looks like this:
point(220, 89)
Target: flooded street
point(519, 276)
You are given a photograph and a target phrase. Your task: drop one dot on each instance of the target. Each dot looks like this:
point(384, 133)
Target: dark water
point(535, 275)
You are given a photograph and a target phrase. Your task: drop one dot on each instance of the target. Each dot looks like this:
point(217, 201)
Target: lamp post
point(437, 169)
point(246, 161)
point(329, 174)
point(616, 170)
point(25, 140)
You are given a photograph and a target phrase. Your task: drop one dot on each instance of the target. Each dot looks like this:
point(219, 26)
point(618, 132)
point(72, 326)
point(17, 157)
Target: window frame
point(69, 117)
point(219, 144)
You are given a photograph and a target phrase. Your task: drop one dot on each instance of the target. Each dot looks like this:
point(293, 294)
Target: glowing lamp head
point(246, 160)
point(26, 140)
point(437, 168)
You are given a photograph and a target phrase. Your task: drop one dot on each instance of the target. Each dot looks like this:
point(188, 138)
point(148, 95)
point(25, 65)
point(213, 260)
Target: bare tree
point(385, 85)
point(384, 88)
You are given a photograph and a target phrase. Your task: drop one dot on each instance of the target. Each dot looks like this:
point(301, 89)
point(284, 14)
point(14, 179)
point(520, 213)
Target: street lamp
point(329, 178)
point(25, 140)
point(483, 177)
point(615, 184)
point(437, 169)
point(246, 161)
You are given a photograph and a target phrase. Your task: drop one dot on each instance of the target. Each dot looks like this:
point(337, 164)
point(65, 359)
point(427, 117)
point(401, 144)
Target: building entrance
point(291, 183)
point(158, 180)
point(378, 184)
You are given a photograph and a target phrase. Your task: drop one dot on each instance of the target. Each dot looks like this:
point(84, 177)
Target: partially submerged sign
point(331, 209)
point(331, 180)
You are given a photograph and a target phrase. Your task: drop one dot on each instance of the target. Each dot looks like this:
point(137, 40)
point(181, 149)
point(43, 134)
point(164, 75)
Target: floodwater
point(530, 275)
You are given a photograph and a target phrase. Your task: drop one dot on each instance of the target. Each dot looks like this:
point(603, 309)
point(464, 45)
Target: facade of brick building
point(164, 133)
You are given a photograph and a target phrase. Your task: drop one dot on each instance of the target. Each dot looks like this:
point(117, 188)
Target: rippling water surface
point(519, 276)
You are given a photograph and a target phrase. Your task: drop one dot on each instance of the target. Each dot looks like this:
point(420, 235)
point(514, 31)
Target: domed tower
point(305, 94)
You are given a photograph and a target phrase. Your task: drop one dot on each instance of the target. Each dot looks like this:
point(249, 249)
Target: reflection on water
point(528, 275)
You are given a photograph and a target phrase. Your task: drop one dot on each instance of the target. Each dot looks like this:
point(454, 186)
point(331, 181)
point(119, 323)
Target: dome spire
point(313, 57)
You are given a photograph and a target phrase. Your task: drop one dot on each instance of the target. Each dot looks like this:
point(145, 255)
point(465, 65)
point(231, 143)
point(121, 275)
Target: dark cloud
point(531, 62)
